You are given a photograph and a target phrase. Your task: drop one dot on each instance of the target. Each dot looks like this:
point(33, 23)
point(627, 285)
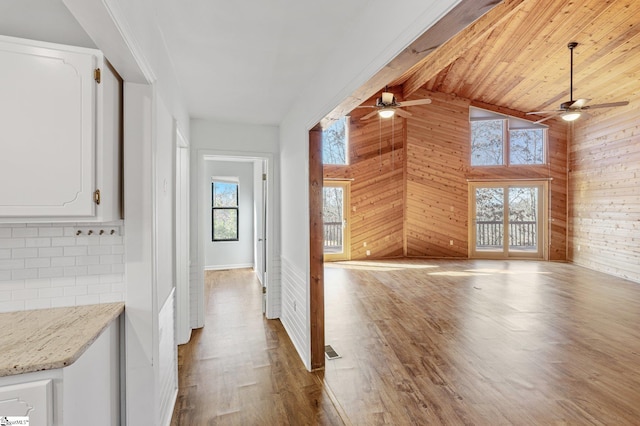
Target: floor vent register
point(330, 353)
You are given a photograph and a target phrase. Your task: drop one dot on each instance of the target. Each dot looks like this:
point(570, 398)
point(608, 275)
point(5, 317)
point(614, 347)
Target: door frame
point(346, 219)
point(543, 228)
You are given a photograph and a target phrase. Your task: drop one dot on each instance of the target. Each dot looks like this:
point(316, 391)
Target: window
point(487, 142)
point(334, 142)
point(224, 211)
point(498, 140)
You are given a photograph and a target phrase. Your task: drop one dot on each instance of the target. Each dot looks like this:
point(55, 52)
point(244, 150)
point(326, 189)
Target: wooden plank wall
point(376, 156)
point(416, 205)
point(604, 183)
point(437, 168)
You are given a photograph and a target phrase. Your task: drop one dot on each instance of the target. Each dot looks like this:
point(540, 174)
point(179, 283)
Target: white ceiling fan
point(386, 106)
point(573, 109)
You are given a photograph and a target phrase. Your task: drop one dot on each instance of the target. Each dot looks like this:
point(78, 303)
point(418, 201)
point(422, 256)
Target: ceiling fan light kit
point(386, 106)
point(574, 109)
point(386, 112)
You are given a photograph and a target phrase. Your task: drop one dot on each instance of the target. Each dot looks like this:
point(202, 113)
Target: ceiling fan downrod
point(571, 46)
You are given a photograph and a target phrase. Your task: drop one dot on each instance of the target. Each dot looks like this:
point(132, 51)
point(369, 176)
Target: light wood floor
point(425, 342)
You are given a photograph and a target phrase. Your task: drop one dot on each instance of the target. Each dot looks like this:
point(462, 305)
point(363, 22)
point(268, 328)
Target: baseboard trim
point(222, 267)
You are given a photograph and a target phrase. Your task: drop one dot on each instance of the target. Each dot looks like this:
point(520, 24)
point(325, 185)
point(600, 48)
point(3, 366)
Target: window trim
point(214, 208)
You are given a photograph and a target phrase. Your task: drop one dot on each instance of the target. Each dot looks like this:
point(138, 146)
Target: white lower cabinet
point(87, 392)
point(60, 114)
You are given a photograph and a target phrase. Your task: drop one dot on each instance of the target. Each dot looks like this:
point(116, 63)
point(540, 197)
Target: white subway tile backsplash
point(37, 304)
point(11, 243)
point(49, 293)
point(77, 290)
point(24, 253)
point(38, 242)
point(50, 251)
point(12, 306)
point(63, 241)
point(24, 274)
point(89, 299)
point(87, 260)
point(38, 283)
point(51, 265)
point(99, 250)
point(37, 262)
point(12, 264)
point(25, 294)
point(63, 261)
point(75, 251)
point(74, 271)
point(59, 302)
point(51, 232)
point(50, 272)
point(24, 232)
point(99, 269)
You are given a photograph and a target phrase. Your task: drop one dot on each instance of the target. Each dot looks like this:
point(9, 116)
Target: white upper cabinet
point(59, 134)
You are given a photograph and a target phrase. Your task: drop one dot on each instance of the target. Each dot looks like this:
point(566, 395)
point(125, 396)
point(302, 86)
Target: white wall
point(359, 58)
point(213, 138)
point(232, 254)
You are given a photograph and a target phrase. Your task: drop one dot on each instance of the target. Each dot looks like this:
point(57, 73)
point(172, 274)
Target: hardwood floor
point(425, 342)
point(242, 369)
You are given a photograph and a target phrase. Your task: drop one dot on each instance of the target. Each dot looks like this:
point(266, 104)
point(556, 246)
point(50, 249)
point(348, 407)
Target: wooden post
point(316, 262)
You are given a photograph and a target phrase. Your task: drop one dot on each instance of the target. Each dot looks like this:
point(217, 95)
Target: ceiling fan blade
point(608, 105)
point(416, 102)
point(366, 106)
point(579, 103)
point(546, 118)
point(545, 112)
point(368, 116)
point(403, 113)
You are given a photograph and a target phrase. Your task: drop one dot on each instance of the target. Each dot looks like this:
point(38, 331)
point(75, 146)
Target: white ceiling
point(45, 20)
point(248, 63)
point(234, 61)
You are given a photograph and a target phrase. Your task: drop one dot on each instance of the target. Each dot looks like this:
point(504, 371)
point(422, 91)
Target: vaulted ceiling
point(516, 55)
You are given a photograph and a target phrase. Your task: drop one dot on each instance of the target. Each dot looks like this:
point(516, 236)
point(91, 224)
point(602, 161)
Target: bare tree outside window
point(487, 142)
point(224, 211)
point(334, 142)
point(526, 146)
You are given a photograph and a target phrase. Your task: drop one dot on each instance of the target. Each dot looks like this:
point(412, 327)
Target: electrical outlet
point(368, 252)
point(450, 242)
point(578, 247)
point(364, 244)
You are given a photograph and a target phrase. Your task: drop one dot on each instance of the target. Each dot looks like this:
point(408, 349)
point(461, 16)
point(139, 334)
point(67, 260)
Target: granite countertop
point(47, 339)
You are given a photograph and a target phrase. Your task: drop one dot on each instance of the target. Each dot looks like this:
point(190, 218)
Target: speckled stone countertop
point(47, 339)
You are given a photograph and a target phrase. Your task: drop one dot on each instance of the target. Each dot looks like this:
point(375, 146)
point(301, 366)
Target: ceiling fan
point(386, 106)
point(573, 109)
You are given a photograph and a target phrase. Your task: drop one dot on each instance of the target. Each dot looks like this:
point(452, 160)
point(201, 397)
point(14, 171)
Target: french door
point(335, 213)
point(508, 219)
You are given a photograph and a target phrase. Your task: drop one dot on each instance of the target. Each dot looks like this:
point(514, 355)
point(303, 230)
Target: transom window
point(335, 142)
point(224, 211)
point(502, 140)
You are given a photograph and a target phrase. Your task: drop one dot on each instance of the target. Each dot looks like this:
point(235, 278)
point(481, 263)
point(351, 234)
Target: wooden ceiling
point(516, 56)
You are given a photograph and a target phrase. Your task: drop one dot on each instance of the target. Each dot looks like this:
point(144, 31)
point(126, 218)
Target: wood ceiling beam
point(457, 46)
point(460, 17)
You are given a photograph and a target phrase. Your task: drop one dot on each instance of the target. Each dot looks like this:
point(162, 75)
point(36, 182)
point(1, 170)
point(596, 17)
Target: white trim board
point(223, 267)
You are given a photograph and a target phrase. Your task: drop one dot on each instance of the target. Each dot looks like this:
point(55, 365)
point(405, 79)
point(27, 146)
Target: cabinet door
point(47, 142)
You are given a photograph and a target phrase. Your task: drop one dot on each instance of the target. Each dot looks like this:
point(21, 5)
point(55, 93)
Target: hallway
point(242, 369)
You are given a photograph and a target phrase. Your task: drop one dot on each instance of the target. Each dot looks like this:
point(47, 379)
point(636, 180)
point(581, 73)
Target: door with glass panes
point(335, 213)
point(507, 220)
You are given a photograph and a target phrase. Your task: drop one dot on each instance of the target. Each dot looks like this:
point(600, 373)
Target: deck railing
point(332, 235)
point(521, 234)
